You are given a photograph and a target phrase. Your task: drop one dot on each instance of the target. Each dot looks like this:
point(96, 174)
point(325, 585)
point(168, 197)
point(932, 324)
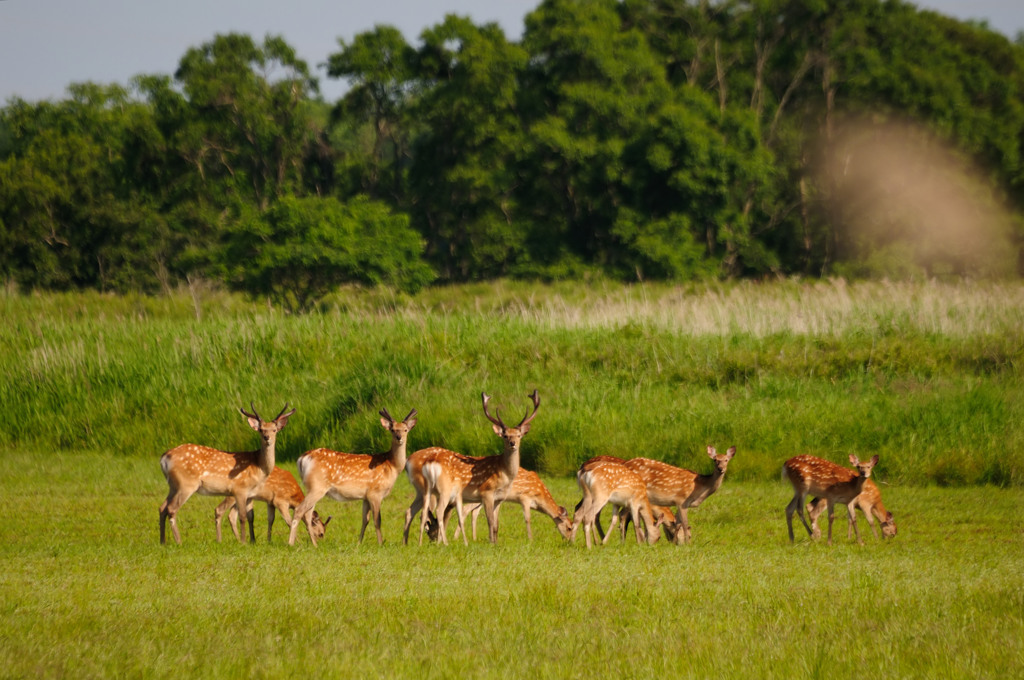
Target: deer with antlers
point(529, 491)
point(453, 477)
point(810, 475)
point(674, 486)
point(282, 494)
point(354, 476)
point(870, 503)
point(191, 468)
point(608, 481)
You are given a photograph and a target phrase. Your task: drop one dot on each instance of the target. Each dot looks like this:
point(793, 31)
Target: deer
point(191, 468)
point(810, 475)
point(679, 487)
point(870, 503)
point(606, 482)
point(528, 490)
point(454, 477)
point(353, 476)
point(585, 466)
point(281, 493)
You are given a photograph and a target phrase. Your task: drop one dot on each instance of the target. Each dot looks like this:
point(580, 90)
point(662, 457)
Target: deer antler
point(282, 413)
point(530, 416)
point(496, 419)
point(254, 414)
point(412, 414)
point(384, 413)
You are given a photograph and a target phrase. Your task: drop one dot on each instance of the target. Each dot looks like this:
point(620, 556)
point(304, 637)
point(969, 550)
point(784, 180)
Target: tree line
point(634, 139)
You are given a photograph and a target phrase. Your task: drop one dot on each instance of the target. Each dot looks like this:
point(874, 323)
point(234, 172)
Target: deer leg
point(868, 512)
point(526, 518)
point(241, 502)
point(375, 509)
point(851, 512)
point(169, 511)
point(218, 513)
point(417, 506)
point(492, 517)
point(814, 509)
point(475, 516)
point(684, 527)
point(271, 513)
point(634, 514)
point(831, 518)
point(366, 519)
point(250, 516)
point(796, 505)
point(304, 513)
point(617, 517)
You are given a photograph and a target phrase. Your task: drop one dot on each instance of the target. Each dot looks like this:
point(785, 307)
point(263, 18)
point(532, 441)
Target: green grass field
point(926, 375)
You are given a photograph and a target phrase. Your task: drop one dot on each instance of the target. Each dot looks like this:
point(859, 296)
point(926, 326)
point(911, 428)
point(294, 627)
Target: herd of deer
point(641, 489)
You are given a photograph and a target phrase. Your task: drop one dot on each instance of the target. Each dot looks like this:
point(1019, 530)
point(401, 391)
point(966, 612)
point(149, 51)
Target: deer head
point(512, 435)
point(721, 461)
point(399, 429)
point(267, 429)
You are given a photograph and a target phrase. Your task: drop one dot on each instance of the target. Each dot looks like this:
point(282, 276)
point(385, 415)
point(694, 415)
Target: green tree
point(463, 176)
point(301, 249)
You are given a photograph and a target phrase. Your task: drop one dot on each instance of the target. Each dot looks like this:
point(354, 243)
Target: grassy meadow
point(927, 375)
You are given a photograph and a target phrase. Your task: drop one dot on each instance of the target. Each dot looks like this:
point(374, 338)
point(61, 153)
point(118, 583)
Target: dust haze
point(901, 198)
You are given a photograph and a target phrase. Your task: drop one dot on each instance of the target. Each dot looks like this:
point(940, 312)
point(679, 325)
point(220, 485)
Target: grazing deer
point(870, 503)
point(664, 516)
point(453, 477)
point(353, 476)
point(611, 482)
point(810, 475)
point(280, 492)
point(191, 468)
point(679, 487)
point(528, 490)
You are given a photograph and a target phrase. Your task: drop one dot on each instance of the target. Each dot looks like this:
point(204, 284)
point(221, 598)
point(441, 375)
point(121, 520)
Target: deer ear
point(731, 452)
point(254, 423)
point(712, 452)
point(854, 460)
point(385, 423)
point(874, 459)
point(888, 516)
point(411, 423)
point(498, 430)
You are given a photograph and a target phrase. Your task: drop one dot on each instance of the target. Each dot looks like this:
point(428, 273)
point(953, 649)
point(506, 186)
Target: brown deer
point(870, 503)
point(191, 468)
point(611, 482)
point(664, 516)
point(810, 475)
point(453, 477)
point(354, 476)
point(528, 490)
point(679, 487)
point(281, 493)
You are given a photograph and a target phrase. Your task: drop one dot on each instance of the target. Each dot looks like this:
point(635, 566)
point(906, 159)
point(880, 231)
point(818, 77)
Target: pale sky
point(47, 44)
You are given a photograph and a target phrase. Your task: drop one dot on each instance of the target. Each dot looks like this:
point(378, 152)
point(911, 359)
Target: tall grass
point(927, 375)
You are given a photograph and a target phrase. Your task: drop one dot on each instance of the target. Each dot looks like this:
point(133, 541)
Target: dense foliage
point(652, 139)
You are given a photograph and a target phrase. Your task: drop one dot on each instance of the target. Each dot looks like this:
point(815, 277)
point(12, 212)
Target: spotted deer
point(282, 494)
point(529, 491)
point(870, 503)
point(679, 487)
point(354, 476)
point(191, 468)
point(450, 477)
point(814, 476)
point(611, 482)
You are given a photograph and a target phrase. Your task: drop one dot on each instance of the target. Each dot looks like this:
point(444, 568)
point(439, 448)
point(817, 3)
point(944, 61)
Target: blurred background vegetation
point(637, 140)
